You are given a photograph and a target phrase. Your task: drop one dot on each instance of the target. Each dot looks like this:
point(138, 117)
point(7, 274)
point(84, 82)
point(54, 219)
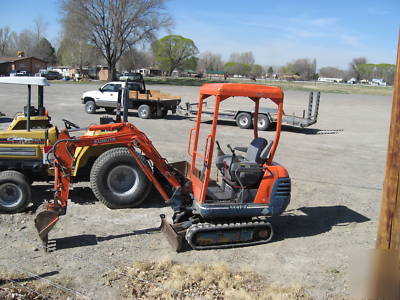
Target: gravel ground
point(336, 189)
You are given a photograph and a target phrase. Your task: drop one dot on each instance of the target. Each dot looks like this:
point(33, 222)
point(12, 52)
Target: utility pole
point(387, 281)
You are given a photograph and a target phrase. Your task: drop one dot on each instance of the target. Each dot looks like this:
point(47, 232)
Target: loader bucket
point(175, 239)
point(46, 217)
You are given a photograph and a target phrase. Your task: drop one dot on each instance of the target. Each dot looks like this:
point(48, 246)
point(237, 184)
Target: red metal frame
point(124, 134)
point(223, 91)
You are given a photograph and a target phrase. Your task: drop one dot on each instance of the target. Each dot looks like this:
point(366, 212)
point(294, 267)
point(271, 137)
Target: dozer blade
point(174, 238)
point(46, 217)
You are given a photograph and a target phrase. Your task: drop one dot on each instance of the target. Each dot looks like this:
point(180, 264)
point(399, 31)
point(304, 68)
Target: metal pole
point(118, 112)
point(126, 102)
point(28, 110)
point(40, 100)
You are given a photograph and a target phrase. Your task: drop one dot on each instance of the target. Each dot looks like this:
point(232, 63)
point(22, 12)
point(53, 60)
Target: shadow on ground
point(84, 196)
point(84, 240)
point(28, 279)
point(5, 120)
point(314, 221)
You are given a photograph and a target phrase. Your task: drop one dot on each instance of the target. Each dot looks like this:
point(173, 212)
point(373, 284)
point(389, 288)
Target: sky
point(333, 32)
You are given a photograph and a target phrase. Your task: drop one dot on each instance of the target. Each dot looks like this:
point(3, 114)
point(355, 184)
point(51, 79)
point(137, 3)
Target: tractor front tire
point(15, 192)
point(118, 181)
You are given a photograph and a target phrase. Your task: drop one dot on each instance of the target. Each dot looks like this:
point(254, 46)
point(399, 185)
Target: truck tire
point(117, 180)
point(144, 111)
point(90, 107)
point(244, 121)
point(15, 192)
point(263, 122)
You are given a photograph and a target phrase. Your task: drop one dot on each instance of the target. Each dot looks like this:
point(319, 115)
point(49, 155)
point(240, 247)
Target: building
point(31, 65)
point(149, 71)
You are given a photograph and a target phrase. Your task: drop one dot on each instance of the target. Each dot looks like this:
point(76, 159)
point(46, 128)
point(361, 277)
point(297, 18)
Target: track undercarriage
point(217, 234)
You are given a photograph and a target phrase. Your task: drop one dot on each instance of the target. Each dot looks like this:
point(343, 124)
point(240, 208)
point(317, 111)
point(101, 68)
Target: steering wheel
point(69, 124)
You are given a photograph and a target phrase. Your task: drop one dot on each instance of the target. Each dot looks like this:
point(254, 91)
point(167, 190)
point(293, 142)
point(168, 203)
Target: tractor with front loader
point(24, 147)
point(207, 214)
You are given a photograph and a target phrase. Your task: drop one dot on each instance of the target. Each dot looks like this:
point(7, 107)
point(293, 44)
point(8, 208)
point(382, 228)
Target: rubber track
point(192, 230)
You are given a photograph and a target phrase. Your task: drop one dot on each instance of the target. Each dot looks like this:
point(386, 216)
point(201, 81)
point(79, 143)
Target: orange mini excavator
point(207, 214)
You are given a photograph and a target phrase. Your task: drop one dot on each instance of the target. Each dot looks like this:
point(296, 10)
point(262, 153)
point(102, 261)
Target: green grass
point(285, 85)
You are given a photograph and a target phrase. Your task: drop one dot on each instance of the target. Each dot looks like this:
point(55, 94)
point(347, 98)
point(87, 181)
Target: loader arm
point(64, 161)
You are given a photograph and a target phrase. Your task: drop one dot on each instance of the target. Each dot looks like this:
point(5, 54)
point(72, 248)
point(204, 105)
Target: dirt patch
point(170, 280)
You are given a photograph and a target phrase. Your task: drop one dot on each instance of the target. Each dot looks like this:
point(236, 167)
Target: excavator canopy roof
point(242, 89)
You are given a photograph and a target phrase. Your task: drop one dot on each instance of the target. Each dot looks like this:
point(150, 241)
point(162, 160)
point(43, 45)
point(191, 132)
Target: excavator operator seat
point(239, 171)
point(258, 150)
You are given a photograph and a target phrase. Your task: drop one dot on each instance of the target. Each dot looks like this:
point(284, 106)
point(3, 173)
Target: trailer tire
point(263, 122)
point(15, 192)
point(90, 107)
point(117, 180)
point(244, 121)
point(144, 111)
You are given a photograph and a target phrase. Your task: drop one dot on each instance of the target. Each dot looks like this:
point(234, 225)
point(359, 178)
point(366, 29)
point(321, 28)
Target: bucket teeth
point(47, 216)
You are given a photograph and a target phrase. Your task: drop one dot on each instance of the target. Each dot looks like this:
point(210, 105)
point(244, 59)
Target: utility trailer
point(267, 116)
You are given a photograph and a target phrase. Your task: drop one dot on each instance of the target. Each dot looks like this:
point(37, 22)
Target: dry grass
point(21, 286)
point(169, 280)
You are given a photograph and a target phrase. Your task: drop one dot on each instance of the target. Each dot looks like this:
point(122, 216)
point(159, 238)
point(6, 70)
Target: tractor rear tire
point(244, 120)
point(118, 181)
point(15, 192)
point(90, 107)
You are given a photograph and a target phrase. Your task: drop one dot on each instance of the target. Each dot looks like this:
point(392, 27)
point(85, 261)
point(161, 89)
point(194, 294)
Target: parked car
point(19, 73)
point(49, 75)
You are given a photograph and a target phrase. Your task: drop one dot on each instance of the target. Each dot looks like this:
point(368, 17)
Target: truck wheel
point(109, 110)
point(144, 111)
point(243, 120)
point(263, 122)
point(90, 107)
point(117, 180)
point(15, 192)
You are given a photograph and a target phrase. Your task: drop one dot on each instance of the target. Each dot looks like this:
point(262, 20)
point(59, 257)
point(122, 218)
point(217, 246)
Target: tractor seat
point(245, 171)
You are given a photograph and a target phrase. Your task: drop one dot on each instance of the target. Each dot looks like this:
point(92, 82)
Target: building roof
point(6, 59)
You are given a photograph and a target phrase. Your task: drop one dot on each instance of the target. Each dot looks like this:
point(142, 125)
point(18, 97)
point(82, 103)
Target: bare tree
point(354, 67)
point(304, 67)
point(25, 41)
point(242, 58)
point(116, 26)
point(5, 40)
point(39, 28)
point(135, 59)
point(331, 72)
point(209, 61)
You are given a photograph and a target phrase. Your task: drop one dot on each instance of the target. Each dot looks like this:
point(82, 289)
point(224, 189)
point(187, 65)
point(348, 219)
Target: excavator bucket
point(174, 238)
point(46, 217)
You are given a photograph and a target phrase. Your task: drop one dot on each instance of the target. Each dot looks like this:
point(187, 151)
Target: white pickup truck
point(149, 103)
